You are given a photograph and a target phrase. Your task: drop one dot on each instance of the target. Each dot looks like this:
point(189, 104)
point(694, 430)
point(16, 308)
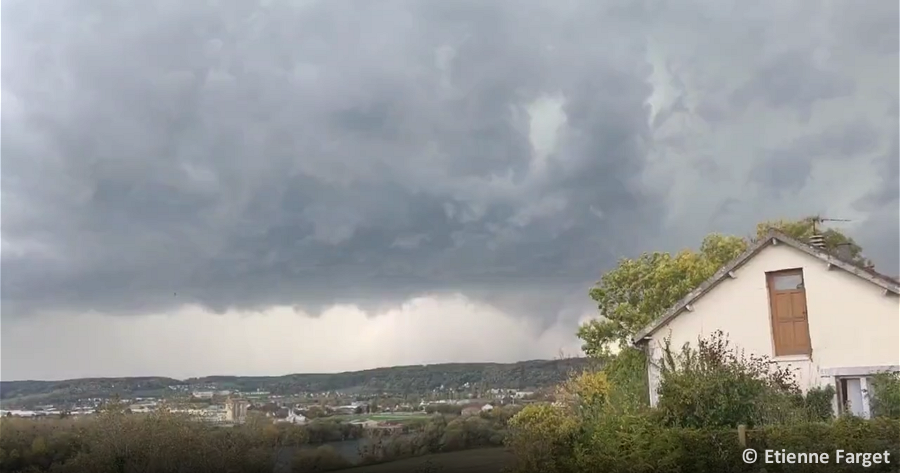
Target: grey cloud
point(236, 154)
point(247, 155)
point(792, 79)
point(880, 232)
point(875, 28)
point(790, 167)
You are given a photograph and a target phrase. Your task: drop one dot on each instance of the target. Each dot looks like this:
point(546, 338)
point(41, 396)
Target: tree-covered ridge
point(398, 379)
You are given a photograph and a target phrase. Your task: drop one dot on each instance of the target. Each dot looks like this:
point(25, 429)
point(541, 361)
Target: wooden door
point(790, 323)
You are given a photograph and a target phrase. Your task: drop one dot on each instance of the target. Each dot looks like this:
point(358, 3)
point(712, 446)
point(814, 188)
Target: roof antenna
point(817, 240)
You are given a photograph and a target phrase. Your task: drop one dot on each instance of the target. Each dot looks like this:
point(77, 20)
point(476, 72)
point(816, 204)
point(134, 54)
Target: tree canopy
point(639, 290)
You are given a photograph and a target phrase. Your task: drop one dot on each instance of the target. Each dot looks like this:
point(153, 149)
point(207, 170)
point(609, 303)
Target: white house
point(831, 321)
point(293, 417)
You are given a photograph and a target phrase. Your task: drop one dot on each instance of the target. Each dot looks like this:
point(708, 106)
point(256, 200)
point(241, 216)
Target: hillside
point(398, 379)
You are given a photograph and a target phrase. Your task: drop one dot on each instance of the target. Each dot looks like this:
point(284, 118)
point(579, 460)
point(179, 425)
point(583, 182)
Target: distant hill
point(398, 379)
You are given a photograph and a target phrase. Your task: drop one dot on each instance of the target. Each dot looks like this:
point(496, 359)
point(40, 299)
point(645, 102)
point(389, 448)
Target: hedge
point(637, 444)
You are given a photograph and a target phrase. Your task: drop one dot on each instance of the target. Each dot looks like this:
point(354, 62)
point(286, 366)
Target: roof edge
point(885, 282)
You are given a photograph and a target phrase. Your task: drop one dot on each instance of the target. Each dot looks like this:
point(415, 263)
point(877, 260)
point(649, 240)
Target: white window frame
point(865, 408)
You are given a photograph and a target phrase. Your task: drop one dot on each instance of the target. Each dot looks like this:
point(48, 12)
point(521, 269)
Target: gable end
point(889, 285)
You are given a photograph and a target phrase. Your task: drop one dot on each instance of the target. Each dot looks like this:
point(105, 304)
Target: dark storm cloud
point(246, 154)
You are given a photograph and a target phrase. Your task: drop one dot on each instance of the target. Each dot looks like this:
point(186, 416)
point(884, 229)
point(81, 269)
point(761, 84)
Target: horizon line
point(36, 380)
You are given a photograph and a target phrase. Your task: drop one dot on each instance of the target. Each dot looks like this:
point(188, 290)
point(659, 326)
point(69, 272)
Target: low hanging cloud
point(193, 342)
point(238, 156)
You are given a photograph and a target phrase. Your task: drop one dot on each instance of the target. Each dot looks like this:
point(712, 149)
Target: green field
point(482, 460)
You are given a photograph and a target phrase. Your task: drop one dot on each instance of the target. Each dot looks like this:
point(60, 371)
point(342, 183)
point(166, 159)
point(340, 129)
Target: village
point(228, 408)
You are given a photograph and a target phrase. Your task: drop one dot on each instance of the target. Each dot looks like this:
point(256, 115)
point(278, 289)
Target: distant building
point(293, 417)
point(236, 410)
point(475, 409)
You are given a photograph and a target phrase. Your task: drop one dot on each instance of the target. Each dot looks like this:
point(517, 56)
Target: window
point(853, 396)
point(787, 305)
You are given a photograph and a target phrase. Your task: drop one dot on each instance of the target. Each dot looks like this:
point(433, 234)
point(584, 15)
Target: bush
point(627, 375)
point(586, 394)
point(884, 395)
point(542, 438)
point(850, 434)
point(716, 385)
point(638, 444)
point(819, 403)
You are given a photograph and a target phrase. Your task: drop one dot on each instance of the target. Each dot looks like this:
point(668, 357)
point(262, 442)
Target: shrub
point(542, 437)
point(850, 434)
point(716, 385)
point(637, 444)
point(819, 403)
point(585, 394)
point(627, 375)
point(884, 395)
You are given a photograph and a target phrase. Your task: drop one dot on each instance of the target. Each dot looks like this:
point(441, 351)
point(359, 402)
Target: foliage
point(162, 442)
point(819, 402)
point(454, 409)
point(884, 395)
point(850, 434)
point(401, 380)
point(324, 458)
point(542, 438)
point(165, 442)
point(586, 394)
point(639, 290)
point(638, 443)
point(627, 373)
point(716, 385)
point(804, 228)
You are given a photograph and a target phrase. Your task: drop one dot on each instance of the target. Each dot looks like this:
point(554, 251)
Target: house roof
point(887, 283)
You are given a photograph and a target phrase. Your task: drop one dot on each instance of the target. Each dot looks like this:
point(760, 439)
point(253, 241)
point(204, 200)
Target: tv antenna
point(816, 220)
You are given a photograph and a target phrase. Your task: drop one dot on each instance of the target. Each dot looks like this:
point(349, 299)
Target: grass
point(482, 460)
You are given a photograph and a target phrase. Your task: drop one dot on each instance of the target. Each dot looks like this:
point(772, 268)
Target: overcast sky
point(265, 187)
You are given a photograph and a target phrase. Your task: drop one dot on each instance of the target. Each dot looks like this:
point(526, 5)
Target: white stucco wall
point(852, 323)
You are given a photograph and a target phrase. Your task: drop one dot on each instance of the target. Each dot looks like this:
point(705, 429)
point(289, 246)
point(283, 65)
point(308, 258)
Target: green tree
point(639, 290)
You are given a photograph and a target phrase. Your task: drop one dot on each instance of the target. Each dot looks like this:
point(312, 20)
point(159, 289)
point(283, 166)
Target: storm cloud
point(239, 156)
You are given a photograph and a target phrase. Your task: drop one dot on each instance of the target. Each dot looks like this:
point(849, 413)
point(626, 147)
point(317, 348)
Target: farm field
point(482, 460)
